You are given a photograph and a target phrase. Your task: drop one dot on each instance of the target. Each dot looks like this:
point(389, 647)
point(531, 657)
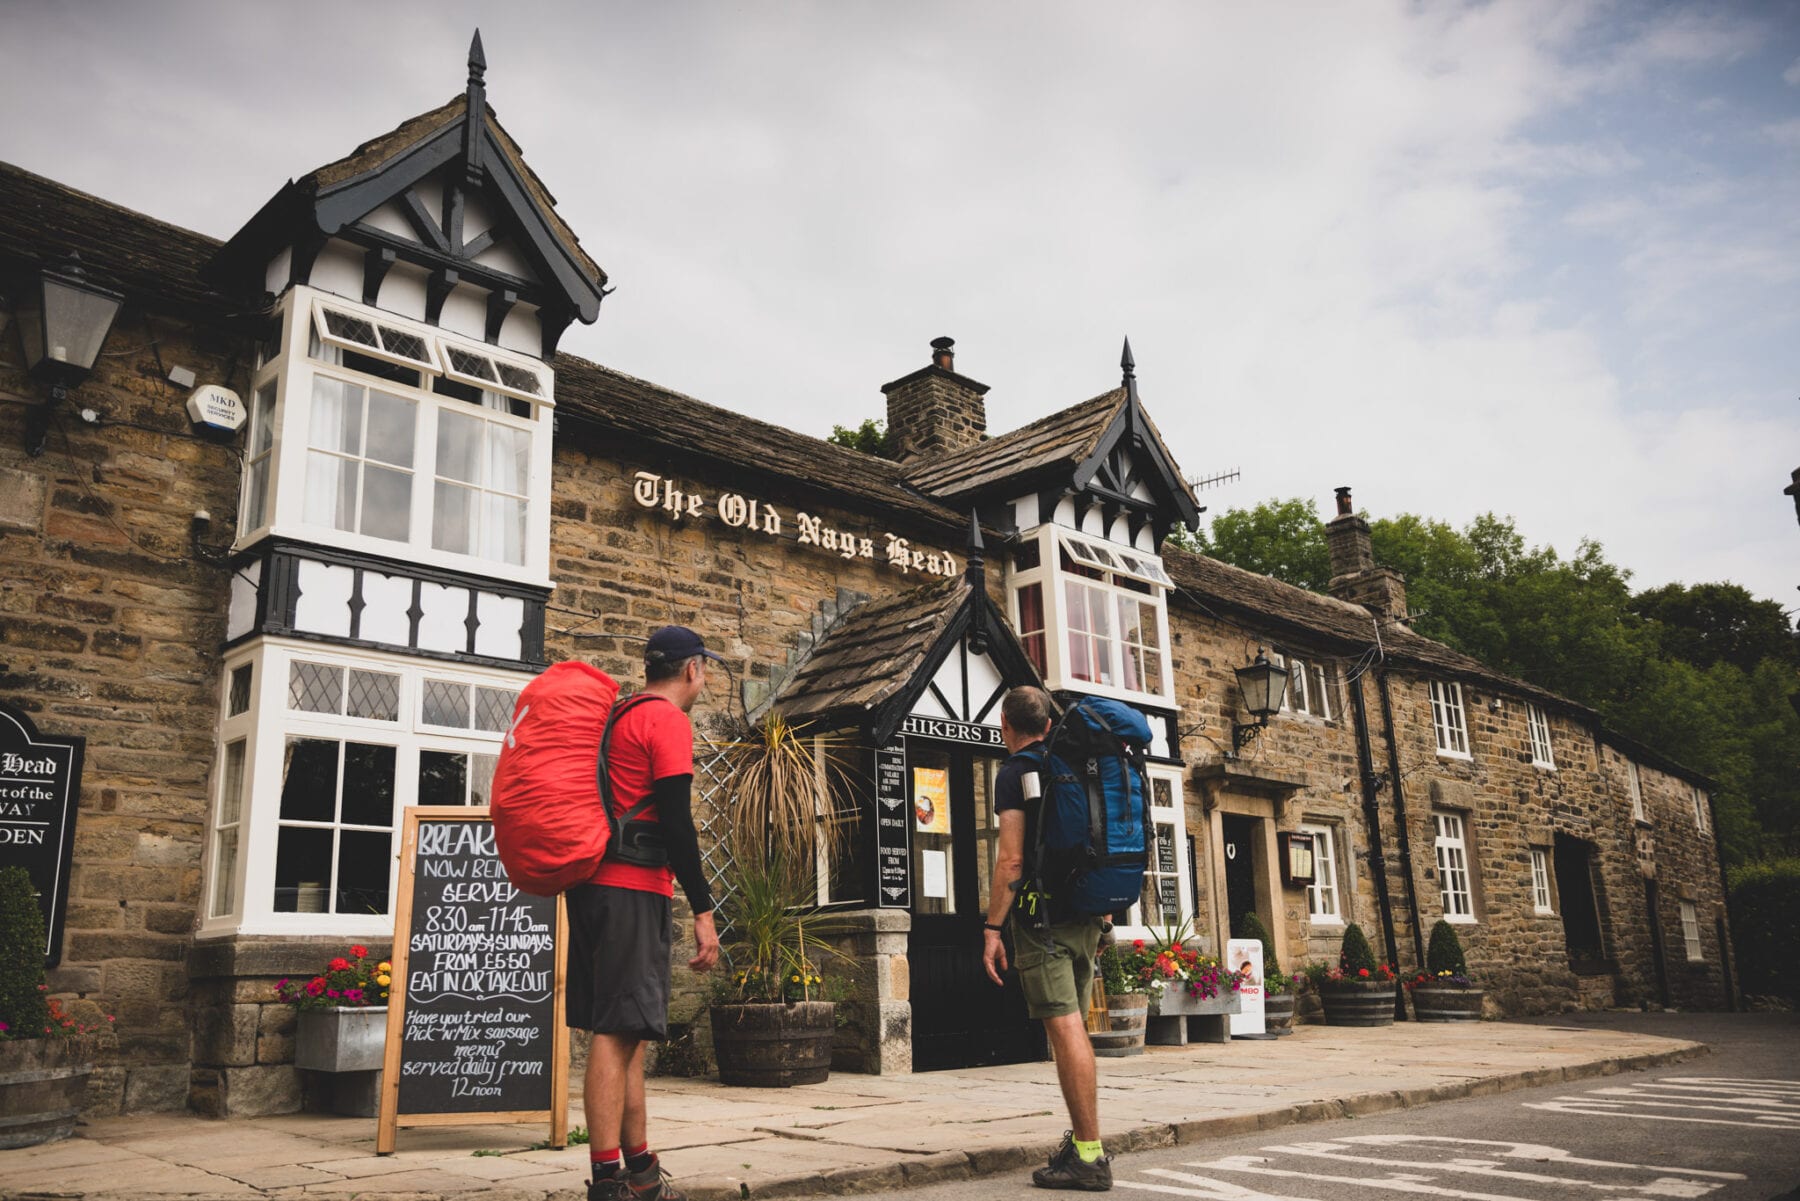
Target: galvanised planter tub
point(345, 1039)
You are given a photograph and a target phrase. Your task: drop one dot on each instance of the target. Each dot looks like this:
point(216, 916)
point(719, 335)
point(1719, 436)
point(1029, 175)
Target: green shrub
point(23, 1007)
point(1253, 928)
point(1765, 926)
point(1445, 953)
point(1356, 954)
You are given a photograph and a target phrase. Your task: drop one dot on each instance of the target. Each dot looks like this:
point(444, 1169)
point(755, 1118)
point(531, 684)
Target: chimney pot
point(1343, 502)
point(943, 353)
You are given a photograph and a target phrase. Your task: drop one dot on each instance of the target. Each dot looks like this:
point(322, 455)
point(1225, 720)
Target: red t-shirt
point(653, 741)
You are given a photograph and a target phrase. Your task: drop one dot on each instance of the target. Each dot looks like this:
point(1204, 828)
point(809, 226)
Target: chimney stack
point(934, 411)
point(1354, 575)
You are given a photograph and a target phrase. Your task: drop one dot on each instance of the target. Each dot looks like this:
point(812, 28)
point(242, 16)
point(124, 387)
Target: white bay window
point(321, 752)
point(1092, 615)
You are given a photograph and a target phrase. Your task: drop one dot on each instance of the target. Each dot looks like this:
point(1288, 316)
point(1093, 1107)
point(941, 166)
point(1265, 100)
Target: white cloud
point(1791, 76)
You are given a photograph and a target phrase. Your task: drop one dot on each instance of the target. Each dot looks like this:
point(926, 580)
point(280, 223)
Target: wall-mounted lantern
point(1299, 865)
point(63, 322)
point(1262, 685)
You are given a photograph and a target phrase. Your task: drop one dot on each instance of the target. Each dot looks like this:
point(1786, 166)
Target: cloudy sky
point(1539, 259)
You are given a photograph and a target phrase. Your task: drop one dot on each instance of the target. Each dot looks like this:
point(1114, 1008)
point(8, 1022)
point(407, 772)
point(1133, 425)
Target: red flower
point(315, 986)
point(359, 952)
point(340, 964)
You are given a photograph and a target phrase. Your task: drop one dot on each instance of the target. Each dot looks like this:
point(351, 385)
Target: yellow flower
point(384, 966)
point(384, 979)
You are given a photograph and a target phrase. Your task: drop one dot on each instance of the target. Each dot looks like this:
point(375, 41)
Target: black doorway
point(959, 1019)
point(1580, 913)
point(1239, 836)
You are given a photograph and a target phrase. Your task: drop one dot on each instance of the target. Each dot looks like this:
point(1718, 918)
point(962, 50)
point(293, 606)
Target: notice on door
point(931, 799)
point(893, 864)
point(475, 1026)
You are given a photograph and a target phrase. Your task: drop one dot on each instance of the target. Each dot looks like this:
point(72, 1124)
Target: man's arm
point(674, 814)
point(1009, 865)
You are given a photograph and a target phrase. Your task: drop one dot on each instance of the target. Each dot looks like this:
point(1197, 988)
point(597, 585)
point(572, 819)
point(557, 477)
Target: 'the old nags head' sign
point(40, 783)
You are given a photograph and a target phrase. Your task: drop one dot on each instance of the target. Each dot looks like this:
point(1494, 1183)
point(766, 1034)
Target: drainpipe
point(1402, 834)
point(1371, 786)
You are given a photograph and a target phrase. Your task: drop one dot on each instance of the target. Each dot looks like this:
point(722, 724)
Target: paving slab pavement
point(852, 1134)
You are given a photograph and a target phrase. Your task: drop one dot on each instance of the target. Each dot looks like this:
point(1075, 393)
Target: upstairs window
point(1635, 785)
point(1447, 720)
point(1700, 819)
point(1541, 755)
point(1092, 614)
point(1308, 691)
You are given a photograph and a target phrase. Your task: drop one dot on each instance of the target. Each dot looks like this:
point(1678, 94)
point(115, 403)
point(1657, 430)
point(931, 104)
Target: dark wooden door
point(1575, 893)
point(959, 1018)
point(1240, 868)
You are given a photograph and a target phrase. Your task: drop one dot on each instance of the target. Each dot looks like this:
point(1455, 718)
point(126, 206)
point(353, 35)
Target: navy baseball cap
point(671, 644)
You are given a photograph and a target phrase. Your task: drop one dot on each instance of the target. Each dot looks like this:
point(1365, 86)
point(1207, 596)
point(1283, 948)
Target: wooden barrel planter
point(42, 1083)
point(1446, 1004)
point(1358, 1002)
point(1278, 1012)
point(1126, 1015)
point(774, 1046)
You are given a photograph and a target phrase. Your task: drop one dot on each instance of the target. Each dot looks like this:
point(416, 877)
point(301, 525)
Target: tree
point(870, 437)
point(1281, 538)
point(1710, 623)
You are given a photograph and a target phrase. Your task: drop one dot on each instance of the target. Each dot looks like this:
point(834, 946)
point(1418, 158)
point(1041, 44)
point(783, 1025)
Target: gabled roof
point(1102, 446)
point(325, 201)
point(873, 666)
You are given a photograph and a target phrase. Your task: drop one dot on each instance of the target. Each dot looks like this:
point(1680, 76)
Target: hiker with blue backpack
point(1072, 849)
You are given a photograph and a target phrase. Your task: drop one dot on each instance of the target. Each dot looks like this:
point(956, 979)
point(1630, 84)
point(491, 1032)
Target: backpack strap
point(605, 772)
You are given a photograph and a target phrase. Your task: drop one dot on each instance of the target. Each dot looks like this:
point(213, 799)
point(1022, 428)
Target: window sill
point(1549, 767)
point(1317, 920)
point(1642, 823)
point(1462, 920)
point(1459, 756)
point(1543, 913)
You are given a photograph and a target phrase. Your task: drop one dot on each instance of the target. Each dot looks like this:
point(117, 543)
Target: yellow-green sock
point(1089, 1152)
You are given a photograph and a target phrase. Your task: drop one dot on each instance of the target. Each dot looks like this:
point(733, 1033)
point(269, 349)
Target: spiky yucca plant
point(783, 791)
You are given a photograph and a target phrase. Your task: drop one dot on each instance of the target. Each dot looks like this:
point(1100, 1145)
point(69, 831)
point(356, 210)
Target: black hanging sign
point(475, 1024)
point(40, 788)
point(893, 865)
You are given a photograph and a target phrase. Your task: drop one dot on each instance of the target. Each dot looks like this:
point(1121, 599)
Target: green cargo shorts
point(1059, 977)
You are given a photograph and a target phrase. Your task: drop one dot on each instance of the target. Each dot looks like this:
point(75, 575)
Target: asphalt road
point(1722, 1127)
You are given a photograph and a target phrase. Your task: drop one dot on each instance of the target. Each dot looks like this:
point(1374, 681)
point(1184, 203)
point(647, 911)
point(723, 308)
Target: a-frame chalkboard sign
point(475, 1028)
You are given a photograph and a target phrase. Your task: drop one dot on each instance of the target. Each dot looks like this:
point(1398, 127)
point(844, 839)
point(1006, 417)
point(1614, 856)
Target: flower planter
point(1358, 1002)
point(773, 1045)
point(42, 1082)
point(340, 1040)
point(1177, 1019)
point(1126, 1015)
point(1278, 1012)
point(1439, 1004)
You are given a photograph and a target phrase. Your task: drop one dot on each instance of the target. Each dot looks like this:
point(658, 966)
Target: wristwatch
point(1001, 929)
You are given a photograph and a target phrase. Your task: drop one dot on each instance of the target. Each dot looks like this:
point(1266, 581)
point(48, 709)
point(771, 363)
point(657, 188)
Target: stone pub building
point(272, 620)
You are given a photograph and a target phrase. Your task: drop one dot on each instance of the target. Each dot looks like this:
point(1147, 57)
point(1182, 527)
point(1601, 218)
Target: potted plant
point(342, 1014)
point(1444, 992)
point(47, 1047)
point(1278, 987)
point(1359, 990)
point(1127, 1001)
point(774, 1011)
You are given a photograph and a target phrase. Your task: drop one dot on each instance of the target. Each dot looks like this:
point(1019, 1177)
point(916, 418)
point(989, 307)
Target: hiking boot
point(651, 1184)
point(1066, 1170)
point(605, 1190)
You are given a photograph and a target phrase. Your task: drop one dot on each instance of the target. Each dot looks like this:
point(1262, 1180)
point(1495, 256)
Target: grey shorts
point(619, 944)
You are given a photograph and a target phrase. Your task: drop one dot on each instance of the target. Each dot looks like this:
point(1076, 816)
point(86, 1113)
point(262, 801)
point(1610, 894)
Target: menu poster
point(931, 799)
point(1244, 956)
point(40, 786)
point(475, 1024)
point(893, 867)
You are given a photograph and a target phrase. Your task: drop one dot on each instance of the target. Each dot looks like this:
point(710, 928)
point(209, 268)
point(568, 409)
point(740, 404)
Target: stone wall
point(109, 629)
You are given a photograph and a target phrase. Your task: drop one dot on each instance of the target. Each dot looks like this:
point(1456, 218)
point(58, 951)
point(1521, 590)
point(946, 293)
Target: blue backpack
point(1092, 844)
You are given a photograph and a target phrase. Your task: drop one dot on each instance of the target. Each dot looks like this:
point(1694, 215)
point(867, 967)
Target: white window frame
point(1455, 868)
point(246, 885)
point(1541, 902)
point(1634, 782)
point(283, 471)
point(825, 749)
point(1543, 754)
point(1324, 896)
point(1308, 691)
point(1092, 551)
point(1701, 822)
point(1173, 814)
point(1690, 932)
point(1449, 723)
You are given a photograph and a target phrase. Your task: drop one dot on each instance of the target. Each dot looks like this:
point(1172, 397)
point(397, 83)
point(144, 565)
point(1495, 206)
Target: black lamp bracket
point(1243, 735)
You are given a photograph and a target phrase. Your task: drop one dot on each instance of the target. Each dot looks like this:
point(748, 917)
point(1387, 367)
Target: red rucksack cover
point(549, 824)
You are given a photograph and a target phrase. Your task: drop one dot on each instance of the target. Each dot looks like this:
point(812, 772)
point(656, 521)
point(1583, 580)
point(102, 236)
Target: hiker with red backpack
point(594, 798)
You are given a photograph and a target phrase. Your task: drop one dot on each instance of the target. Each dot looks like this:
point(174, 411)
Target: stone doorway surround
point(1241, 790)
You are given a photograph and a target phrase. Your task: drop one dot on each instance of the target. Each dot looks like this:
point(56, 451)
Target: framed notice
point(40, 786)
point(475, 1028)
point(892, 851)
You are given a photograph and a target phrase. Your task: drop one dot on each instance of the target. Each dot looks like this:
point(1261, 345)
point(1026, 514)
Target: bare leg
point(1075, 1073)
point(612, 1092)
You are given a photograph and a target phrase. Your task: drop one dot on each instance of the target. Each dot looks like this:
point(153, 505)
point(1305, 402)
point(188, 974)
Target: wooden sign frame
point(390, 1120)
